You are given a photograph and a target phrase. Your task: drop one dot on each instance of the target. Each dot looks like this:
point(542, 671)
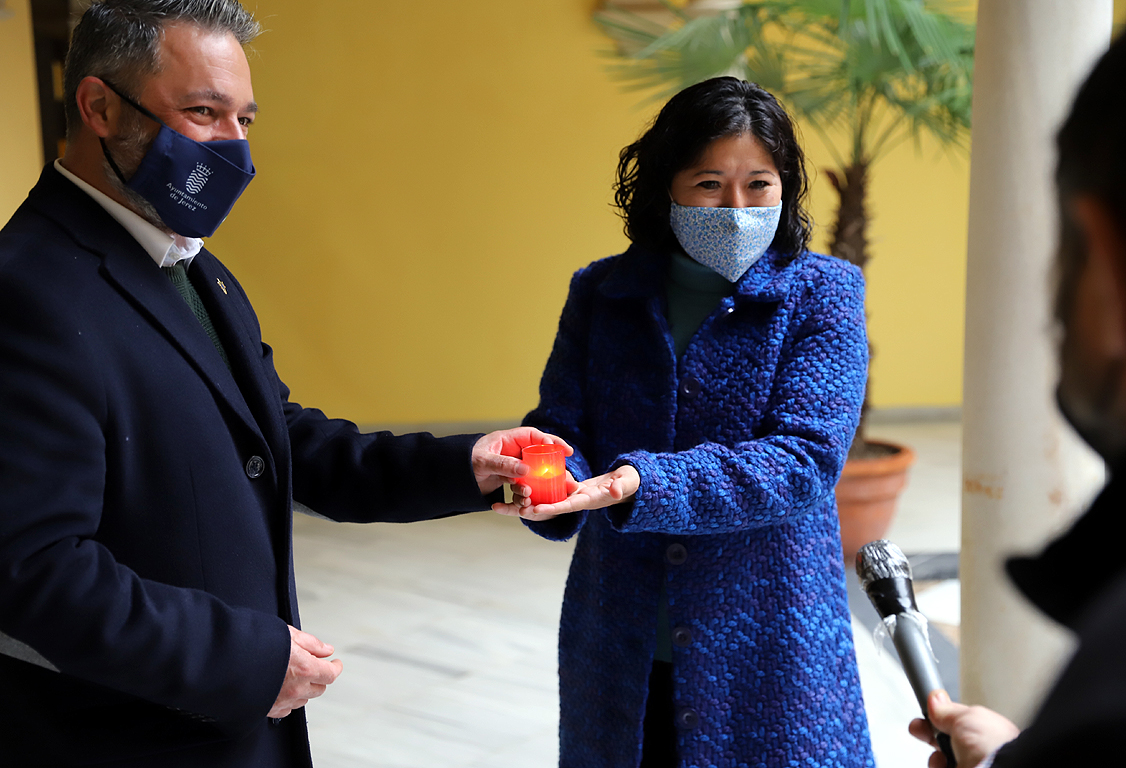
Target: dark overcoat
point(1079, 580)
point(146, 499)
point(739, 444)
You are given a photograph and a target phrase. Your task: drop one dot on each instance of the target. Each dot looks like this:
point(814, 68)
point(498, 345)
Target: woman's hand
point(975, 732)
point(612, 488)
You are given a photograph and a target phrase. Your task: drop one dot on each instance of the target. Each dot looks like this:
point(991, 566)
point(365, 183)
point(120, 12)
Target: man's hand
point(496, 456)
point(597, 492)
point(975, 732)
point(308, 674)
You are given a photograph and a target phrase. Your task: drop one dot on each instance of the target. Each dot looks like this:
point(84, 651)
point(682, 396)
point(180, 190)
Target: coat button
point(682, 637)
point(687, 719)
point(690, 386)
point(255, 467)
point(676, 554)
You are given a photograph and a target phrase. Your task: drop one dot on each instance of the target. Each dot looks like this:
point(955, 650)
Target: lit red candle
point(548, 473)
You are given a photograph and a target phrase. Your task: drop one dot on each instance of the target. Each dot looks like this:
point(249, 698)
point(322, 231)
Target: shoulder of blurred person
point(1082, 719)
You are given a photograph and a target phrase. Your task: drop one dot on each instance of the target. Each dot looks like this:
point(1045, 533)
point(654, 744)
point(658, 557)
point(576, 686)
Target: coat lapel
point(126, 264)
point(235, 322)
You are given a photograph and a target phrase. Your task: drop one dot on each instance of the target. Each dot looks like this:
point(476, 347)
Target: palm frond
point(879, 69)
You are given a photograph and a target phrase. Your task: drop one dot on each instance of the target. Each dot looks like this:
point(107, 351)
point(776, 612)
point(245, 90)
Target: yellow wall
point(430, 174)
point(430, 178)
point(918, 210)
point(21, 155)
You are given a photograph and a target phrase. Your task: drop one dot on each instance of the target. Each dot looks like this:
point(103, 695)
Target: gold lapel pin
point(220, 282)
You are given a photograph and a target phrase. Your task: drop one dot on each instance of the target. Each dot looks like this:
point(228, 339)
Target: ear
point(1105, 271)
point(99, 106)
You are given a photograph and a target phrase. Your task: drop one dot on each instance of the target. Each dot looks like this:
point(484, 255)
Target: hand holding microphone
point(975, 732)
point(885, 576)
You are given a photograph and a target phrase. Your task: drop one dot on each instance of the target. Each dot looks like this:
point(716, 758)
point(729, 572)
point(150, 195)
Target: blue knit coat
point(739, 444)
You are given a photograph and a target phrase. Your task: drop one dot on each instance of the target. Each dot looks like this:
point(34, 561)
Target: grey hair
point(119, 40)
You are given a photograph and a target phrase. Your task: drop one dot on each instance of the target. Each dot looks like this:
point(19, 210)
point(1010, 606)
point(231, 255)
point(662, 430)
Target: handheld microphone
point(885, 576)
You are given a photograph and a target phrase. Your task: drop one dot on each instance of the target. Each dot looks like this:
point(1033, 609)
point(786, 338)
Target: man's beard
point(1088, 396)
point(129, 148)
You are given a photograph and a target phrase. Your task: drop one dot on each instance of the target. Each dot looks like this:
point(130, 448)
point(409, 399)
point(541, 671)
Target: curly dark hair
point(686, 125)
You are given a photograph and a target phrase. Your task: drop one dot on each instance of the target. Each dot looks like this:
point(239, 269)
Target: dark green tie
point(178, 274)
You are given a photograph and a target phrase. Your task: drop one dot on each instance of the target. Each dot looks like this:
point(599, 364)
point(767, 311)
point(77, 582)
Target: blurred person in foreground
point(710, 379)
point(149, 454)
point(1080, 579)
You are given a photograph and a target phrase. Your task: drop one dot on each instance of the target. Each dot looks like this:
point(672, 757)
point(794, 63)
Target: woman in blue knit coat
point(710, 381)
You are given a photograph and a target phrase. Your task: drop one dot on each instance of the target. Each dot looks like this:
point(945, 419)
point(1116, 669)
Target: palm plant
point(863, 74)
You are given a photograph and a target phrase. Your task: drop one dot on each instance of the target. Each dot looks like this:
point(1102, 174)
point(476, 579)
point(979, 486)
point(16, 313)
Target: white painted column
point(1025, 474)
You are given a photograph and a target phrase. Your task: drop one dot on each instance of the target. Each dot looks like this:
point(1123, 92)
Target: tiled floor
point(929, 516)
point(447, 630)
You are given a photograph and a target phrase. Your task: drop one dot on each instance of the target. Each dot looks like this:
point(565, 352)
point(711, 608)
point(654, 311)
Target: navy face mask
point(192, 184)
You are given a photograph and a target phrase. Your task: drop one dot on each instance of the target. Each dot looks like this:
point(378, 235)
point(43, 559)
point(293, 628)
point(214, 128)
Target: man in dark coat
point(149, 454)
point(1079, 580)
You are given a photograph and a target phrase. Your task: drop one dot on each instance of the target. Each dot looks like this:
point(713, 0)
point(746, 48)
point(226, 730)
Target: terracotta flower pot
point(867, 494)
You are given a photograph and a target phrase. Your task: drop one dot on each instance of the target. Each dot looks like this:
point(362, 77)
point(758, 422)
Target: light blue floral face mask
point(728, 240)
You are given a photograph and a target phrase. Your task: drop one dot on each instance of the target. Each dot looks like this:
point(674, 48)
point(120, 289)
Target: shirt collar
point(165, 249)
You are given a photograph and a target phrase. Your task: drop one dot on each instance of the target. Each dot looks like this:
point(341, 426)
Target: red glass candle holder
point(547, 475)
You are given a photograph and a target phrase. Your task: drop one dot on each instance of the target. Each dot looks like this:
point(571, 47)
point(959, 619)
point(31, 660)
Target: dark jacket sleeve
point(350, 476)
point(357, 477)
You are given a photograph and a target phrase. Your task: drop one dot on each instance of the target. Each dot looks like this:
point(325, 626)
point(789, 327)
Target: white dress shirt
point(165, 249)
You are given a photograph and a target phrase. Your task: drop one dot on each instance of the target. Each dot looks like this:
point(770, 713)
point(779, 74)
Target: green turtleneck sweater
point(693, 292)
